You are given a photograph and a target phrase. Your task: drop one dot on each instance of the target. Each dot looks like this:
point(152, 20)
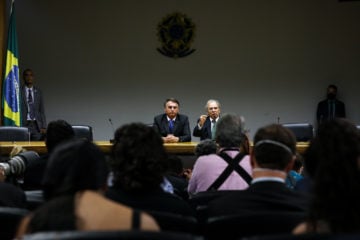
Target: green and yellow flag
point(11, 83)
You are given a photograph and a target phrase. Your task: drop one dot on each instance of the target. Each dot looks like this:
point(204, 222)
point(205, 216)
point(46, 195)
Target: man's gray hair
point(229, 131)
point(210, 101)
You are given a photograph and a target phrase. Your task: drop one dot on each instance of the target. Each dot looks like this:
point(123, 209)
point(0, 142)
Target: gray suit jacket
point(38, 105)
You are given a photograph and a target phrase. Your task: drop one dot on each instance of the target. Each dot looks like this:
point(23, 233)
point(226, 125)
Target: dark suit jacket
point(181, 127)
point(260, 197)
point(38, 105)
point(11, 196)
point(322, 113)
point(205, 131)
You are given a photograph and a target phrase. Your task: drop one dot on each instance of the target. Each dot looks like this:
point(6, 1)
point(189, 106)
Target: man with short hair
point(331, 107)
point(272, 158)
point(206, 125)
point(171, 125)
point(57, 132)
point(32, 107)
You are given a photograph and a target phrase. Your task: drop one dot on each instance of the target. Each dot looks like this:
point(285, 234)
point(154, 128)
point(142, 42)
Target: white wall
point(97, 59)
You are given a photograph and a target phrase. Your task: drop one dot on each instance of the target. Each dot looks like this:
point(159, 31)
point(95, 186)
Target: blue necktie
point(213, 129)
point(171, 126)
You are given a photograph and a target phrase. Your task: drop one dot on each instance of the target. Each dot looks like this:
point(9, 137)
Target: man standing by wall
point(331, 107)
point(32, 104)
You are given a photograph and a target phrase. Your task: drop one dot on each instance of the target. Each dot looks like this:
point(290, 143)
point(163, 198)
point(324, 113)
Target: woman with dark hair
point(139, 165)
point(335, 207)
point(74, 181)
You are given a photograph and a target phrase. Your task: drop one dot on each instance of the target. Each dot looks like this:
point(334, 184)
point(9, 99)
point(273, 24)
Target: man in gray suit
point(32, 107)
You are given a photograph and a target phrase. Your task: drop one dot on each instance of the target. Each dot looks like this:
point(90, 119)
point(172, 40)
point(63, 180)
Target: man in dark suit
point(331, 107)
point(172, 126)
point(32, 107)
point(206, 125)
point(272, 157)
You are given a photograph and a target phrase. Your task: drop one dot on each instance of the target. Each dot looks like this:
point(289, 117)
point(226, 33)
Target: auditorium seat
point(175, 222)
point(11, 133)
point(83, 131)
point(111, 235)
point(252, 224)
point(9, 220)
point(303, 132)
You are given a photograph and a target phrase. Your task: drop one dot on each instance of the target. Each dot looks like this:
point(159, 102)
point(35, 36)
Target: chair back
point(83, 131)
point(175, 222)
point(12, 133)
point(303, 132)
point(252, 224)
point(10, 218)
point(111, 235)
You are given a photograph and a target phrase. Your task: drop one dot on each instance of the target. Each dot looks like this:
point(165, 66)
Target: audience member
point(335, 208)
point(172, 126)
point(272, 157)
point(57, 132)
point(139, 167)
point(205, 147)
point(177, 176)
point(331, 107)
point(230, 170)
point(32, 107)
point(295, 174)
point(206, 125)
point(10, 195)
point(74, 181)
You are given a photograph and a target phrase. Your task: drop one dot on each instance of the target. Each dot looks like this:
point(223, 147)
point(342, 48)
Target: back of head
point(205, 147)
point(274, 147)
point(229, 131)
point(57, 132)
point(336, 151)
point(140, 160)
point(74, 166)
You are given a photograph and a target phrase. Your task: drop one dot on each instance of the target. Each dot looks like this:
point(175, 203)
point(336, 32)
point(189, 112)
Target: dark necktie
point(171, 126)
point(331, 109)
point(31, 105)
point(213, 129)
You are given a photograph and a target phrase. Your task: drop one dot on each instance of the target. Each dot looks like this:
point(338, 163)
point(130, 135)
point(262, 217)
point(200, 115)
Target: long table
point(186, 148)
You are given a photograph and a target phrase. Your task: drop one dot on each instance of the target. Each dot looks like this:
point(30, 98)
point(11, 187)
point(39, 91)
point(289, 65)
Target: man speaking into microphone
point(206, 125)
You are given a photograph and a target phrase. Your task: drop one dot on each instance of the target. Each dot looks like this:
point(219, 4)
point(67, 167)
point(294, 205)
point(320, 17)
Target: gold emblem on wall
point(176, 32)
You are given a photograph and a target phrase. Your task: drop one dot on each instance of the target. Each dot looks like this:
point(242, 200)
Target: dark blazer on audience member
point(11, 196)
point(260, 197)
point(181, 127)
point(205, 131)
point(156, 200)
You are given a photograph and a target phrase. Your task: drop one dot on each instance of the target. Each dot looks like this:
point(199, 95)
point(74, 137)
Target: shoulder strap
point(233, 165)
point(135, 225)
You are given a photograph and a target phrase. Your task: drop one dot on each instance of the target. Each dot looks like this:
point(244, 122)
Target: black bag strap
point(233, 165)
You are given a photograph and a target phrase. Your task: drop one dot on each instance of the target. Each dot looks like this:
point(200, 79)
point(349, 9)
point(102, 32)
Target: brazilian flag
point(11, 83)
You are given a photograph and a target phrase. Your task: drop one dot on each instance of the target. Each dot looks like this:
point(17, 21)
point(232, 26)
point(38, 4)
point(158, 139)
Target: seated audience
point(139, 166)
point(295, 174)
point(10, 195)
point(177, 176)
point(336, 186)
point(74, 181)
point(272, 157)
point(228, 170)
point(205, 147)
point(57, 132)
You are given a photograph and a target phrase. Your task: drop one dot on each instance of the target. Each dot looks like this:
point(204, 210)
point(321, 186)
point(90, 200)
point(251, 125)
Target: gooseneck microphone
point(113, 130)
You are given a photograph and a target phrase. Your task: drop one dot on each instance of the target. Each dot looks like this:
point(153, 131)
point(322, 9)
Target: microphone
point(113, 130)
